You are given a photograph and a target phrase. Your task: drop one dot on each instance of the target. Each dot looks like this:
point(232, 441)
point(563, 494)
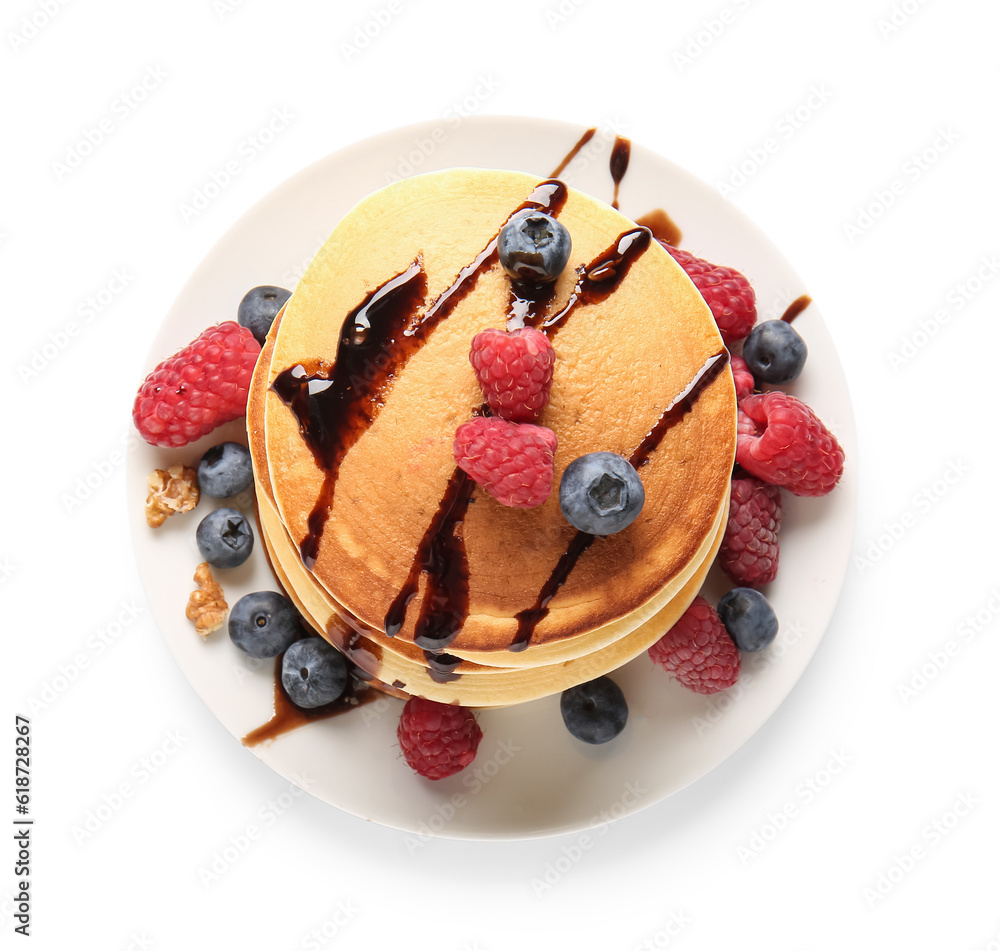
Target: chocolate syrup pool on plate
point(288, 717)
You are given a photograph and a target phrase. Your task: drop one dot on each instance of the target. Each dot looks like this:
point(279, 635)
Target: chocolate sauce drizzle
point(527, 300)
point(442, 666)
point(288, 717)
point(572, 153)
point(335, 407)
point(796, 307)
point(621, 151)
point(682, 404)
point(599, 279)
point(441, 555)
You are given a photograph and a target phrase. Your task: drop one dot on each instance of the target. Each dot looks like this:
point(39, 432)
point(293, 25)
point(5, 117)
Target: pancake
point(621, 362)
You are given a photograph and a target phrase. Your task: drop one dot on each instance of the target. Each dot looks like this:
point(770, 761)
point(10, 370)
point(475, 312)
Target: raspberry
point(512, 461)
point(198, 388)
point(697, 651)
point(790, 446)
point(749, 551)
point(515, 371)
point(727, 293)
point(437, 739)
point(742, 376)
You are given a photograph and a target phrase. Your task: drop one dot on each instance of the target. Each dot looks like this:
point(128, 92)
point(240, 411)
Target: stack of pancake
point(357, 394)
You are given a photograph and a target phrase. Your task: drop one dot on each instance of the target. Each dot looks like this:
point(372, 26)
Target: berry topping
point(534, 247)
point(313, 673)
point(198, 388)
point(512, 461)
point(727, 293)
point(225, 538)
point(742, 376)
point(774, 352)
point(749, 551)
point(264, 623)
point(601, 493)
point(225, 470)
point(437, 739)
point(697, 651)
point(748, 618)
point(594, 712)
point(789, 446)
point(259, 307)
point(515, 371)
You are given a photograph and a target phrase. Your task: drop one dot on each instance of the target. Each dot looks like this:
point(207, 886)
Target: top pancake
point(620, 363)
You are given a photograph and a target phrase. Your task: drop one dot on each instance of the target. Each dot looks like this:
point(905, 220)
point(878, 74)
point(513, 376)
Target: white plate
point(530, 777)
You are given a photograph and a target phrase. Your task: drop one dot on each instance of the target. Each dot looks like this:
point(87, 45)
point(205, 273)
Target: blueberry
point(264, 623)
point(313, 673)
point(601, 493)
point(594, 712)
point(534, 247)
point(749, 619)
point(225, 538)
point(225, 470)
point(774, 352)
point(259, 307)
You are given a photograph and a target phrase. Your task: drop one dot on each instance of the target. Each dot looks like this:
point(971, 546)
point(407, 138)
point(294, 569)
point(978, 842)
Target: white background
point(884, 93)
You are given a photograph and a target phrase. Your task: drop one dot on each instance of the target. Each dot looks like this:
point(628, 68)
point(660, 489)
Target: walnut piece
point(206, 606)
point(171, 491)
